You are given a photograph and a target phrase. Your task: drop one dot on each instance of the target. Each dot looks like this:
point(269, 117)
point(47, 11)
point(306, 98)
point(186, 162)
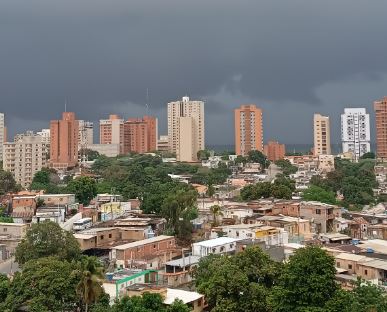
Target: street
point(9, 266)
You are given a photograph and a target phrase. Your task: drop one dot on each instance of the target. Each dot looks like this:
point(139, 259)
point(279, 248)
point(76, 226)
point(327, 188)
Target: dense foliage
point(239, 283)
point(47, 180)
point(47, 239)
point(282, 187)
point(355, 181)
point(316, 193)
point(146, 303)
point(84, 188)
point(286, 167)
point(8, 183)
point(250, 281)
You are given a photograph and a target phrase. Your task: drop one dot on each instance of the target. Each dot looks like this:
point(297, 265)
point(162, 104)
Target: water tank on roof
point(370, 250)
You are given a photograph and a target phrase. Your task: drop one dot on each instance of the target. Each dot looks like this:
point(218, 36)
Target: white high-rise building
point(28, 154)
point(45, 134)
point(186, 128)
point(355, 131)
point(86, 133)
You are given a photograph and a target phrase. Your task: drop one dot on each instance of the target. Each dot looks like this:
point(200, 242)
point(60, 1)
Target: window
point(110, 235)
point(338, 264)
point(154, 246)
point(5, 230)
point(101, 237)
point(365, 272)
point(349, 266)
point(318, 211)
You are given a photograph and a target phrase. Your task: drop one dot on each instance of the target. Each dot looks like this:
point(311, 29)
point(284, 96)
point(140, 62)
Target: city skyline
point(301, 66)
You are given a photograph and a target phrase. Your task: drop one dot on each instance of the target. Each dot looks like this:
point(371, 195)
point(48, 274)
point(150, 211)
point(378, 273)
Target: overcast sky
point(290, 57)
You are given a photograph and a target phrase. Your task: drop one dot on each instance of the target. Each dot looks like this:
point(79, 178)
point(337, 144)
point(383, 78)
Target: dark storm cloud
point(288, 56)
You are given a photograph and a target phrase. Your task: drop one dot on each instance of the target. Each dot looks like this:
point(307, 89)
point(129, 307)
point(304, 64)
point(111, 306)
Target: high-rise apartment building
point(380, 108)
point(25, 156)
point(45, 134)
point(186, 128)
point(64, 141)
point(274, 151)
point(111, 131)
point(163, 143)
point(85, 134)
point(2, 135)
point(248, 129)
point(140, 135)
point(355, 131)
point(322, 135)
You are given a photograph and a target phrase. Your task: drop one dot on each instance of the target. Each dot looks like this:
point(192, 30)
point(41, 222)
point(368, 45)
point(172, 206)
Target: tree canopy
point(47, 239)
point(84, 188)
point(355, 181)
point(8, 183)
point(282, 187)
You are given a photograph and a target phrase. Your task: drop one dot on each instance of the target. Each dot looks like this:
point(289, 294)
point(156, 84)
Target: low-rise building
point(149, 253)
point(178, 272)
point(220, 245)
point(11, 234)
point(269, 234)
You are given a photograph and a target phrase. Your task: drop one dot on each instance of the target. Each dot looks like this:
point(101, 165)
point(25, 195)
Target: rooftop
point(182, 262)
point(183, 295)
point(216, 242)
point(143, 242)
point(350, 257)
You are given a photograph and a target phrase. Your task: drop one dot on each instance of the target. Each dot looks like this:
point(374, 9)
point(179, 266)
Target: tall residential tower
point(322, 135)
point(64, 141)
point(355, 131)
point(186, 128)
point(248, 129)
point(380, 108)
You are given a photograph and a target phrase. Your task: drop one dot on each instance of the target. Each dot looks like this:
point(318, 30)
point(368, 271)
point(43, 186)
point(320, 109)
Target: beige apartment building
point(111, 131)
point(186, 128)
point(163, 143)
point(2, 135)
point(25, 156)
point(85, 134)
point(322, 135)
point(248, 129)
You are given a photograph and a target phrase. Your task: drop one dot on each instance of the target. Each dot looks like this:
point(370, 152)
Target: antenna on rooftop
point(147, 101)
point(65, 105)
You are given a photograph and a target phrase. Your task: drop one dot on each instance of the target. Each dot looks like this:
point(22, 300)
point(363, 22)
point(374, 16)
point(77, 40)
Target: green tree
point(369, 155)
point(90, 154)
point(286, 167)
point(84, 188)
point(4, 287)
point(45, 284)
point(216, 212)
point(258, 157)
point(203, 154)
point(178, 306)
point(90, 275)
point(240, 160)
point(316, 193)
point(8, 183)
point(47, 239)
point(179, 209)
point(237, 283)
point(47, 180)
point(307, 281)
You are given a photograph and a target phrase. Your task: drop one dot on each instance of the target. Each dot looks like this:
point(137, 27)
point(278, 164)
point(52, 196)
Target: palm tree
point(216, 211)
point(89, 288)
